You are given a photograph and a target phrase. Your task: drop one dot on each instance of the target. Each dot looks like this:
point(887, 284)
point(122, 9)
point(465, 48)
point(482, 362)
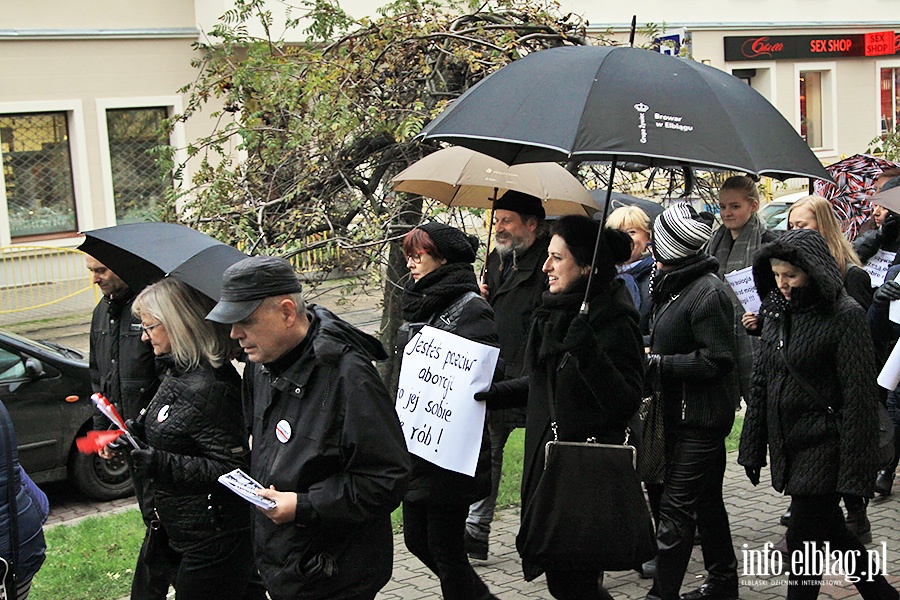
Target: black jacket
point(822, 334)
point(344, 455)
point(692, 333)
point(427, 481)
point(591, 371)
point(121, 365)
point(513, 302)
point(195, 425)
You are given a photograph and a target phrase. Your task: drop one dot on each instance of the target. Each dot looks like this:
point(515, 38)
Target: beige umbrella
point(888, 198)
point(458, 176)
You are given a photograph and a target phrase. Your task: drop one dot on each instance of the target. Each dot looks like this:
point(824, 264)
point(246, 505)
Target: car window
point(12, 368)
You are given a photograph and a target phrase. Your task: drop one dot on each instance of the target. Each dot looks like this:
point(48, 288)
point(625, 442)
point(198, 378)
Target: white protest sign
point(441, 419)
point(877, 266)
point(744, 287)
point(894, 306)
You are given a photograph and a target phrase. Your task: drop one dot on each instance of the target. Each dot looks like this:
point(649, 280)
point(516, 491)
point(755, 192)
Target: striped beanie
point(679, 233)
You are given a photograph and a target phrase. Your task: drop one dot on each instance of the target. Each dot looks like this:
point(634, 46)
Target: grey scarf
point(736, 254)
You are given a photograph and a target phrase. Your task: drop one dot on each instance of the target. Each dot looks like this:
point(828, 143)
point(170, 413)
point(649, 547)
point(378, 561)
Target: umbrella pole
point(585, 305)
point(487, 251)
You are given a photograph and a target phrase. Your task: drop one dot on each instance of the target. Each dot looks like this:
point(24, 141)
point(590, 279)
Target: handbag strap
point(807, 387)
point(11, 489)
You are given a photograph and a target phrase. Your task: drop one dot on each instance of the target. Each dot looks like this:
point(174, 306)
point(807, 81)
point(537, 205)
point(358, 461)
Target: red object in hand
point(95, 441)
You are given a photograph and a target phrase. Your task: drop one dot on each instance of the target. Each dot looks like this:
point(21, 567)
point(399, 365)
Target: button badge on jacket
point(283, 431)
point(163, 413)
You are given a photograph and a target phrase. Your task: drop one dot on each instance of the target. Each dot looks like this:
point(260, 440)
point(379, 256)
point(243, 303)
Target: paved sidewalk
point(754, 516)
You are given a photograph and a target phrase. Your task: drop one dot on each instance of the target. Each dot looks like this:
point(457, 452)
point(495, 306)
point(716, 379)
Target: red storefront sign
point(775, 47)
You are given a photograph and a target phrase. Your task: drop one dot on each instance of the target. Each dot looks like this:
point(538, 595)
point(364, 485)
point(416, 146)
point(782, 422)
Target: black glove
point(488, 395)
point(136, 429)
point(651, 366)
point(753, 475)
point(888, 292)
point(890, 229)
point(144, 460)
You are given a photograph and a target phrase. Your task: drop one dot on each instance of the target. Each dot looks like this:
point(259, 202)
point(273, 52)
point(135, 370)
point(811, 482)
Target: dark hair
point(580, 235)
point(417, 241)
point(742, 183)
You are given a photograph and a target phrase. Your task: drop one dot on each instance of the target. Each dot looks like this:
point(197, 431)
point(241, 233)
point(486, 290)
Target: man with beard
point(513, 286)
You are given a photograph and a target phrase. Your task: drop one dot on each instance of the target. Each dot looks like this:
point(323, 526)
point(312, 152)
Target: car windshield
point(43, 345)
point(774, 214)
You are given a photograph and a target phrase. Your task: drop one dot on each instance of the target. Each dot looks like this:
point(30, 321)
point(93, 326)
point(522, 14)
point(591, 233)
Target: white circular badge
point(163, 413)
point(283, 431)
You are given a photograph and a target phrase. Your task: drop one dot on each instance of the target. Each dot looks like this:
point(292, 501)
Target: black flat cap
point(247, 283)
point(522, 203)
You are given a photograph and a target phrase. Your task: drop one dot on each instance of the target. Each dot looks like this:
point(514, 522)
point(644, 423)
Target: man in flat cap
point(513, 286)
point(326, 438)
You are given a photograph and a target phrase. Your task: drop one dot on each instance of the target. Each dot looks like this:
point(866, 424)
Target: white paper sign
point(744, 287)
point(894, 306)
point(441, 420)
point(890, 373)
point(877, 266)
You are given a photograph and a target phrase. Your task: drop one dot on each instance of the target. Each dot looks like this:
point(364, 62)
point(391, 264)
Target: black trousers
point(434, 533)
point(576, 585)
point(819, 519)
point(692, 496)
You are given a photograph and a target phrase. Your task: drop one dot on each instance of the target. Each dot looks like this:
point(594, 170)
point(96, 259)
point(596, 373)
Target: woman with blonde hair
point(194, 432)
point(815, 212)
point(639, 266)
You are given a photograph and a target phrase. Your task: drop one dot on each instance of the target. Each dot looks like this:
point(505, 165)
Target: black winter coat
point(590, 368)
point(121, 365)
point(428, 481)
point(195, 425)
point(344, 454)
point(822, 334)
point(513, 302)
point(692, 333)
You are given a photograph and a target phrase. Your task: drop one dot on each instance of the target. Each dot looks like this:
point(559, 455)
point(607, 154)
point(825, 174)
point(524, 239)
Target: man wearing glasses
point(123, 369)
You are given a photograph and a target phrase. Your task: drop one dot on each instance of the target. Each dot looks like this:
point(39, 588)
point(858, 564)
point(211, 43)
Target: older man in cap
point(513, 286)
point(326, 439)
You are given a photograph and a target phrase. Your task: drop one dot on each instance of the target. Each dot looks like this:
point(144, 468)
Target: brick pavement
point(754, 516)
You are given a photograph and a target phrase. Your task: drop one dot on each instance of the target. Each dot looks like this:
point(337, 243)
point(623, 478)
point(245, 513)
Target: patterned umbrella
point(854, 181)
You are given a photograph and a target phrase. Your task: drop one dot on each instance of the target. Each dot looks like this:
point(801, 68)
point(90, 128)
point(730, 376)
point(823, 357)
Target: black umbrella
point(593, 103)
point(143, 253)
point(653, 209)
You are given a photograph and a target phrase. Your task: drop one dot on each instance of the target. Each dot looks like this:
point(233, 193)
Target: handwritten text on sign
point(440, 375)
point(744, 287)
point(877, 266)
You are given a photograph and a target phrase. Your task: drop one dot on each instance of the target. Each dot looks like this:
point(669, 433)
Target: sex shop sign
point(776, 47)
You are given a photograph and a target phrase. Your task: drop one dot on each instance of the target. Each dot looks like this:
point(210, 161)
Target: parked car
point(47, 390)
point(775, 213)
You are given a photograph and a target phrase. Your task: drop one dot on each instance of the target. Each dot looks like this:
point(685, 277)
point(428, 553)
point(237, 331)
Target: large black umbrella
point(143, 253)
point(653, 209)
point(593, 103)
point(601, 103)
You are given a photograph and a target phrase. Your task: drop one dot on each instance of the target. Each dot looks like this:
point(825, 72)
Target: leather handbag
point(588, 510)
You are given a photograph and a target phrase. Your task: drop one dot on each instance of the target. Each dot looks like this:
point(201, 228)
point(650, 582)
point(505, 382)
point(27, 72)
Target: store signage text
point(774, 47)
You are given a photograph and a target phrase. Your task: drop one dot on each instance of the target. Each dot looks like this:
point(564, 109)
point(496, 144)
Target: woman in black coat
point(693, 353)
point(442, 292)
point(194, 432)
point(587, 370)
point(813, 402)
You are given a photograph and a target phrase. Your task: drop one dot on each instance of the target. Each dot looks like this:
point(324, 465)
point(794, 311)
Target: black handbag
point(588, 510)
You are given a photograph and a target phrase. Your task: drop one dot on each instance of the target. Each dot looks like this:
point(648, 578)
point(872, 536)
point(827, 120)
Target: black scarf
point(551, 323)
point(666, 284)
point(437, 290)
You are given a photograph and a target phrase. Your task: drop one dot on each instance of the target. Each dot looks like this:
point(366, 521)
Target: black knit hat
point(679, 232)
point(524, 204)
point(453, 244)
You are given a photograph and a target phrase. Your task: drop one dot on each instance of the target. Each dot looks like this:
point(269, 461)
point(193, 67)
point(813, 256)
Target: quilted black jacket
point(195, 424)
point(822, 333)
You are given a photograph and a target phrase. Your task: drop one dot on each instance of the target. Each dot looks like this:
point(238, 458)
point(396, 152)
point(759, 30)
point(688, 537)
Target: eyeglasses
point(148, 328)
point(415, 258)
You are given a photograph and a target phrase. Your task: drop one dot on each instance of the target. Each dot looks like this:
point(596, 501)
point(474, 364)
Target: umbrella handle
point(585, 305)
point(487, 251)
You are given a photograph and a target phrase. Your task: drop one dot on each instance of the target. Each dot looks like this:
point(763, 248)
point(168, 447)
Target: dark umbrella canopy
point(593, 103)
point(653, 209)
point(143, 253)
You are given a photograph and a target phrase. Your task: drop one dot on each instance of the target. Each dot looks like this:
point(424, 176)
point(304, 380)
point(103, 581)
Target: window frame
point(178, 139)
point(74, 112)
point(829, 80)
point(890, 63)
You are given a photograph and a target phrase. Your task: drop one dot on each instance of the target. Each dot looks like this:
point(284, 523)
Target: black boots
point(858, 524)
point(714, 590)
point(884, 482)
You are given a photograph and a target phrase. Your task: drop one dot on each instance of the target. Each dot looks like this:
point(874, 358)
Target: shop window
point(37, 172)
point(811, 121)
point(890, 99)
point(138, 185)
